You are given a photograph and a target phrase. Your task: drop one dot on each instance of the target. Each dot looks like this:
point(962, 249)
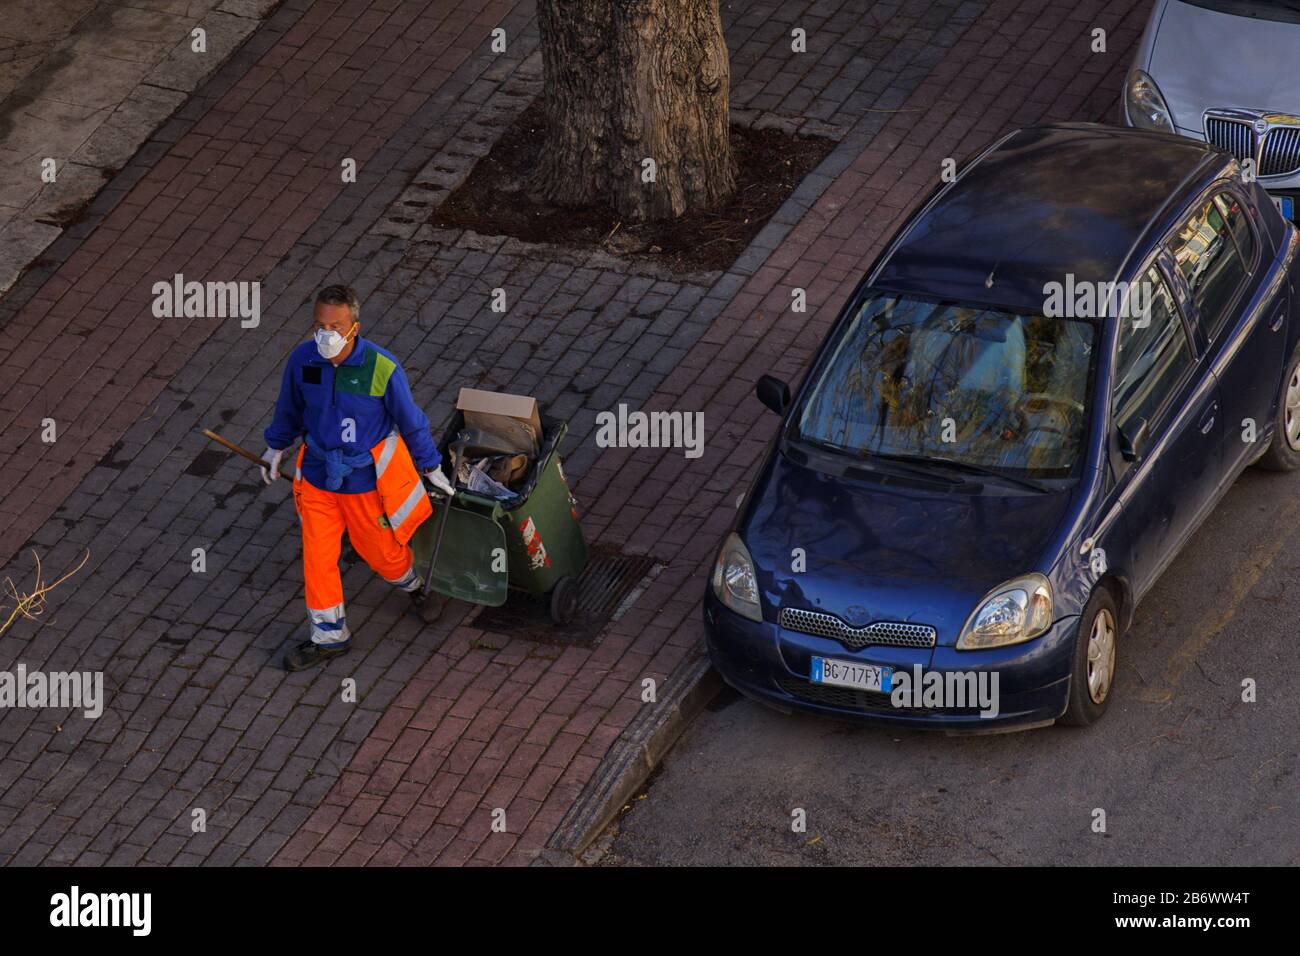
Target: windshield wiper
point(967, 467)
point(896, 468)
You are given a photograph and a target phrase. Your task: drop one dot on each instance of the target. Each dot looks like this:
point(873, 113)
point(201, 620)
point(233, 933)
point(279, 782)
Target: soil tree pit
point(496, 200)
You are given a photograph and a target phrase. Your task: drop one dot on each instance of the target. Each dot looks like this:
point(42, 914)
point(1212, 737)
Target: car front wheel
point(1092, 675)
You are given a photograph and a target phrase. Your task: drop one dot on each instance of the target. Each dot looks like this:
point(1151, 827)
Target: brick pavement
point(425, 784)
point(451, 721)
point(84, 82)
point(231, 196)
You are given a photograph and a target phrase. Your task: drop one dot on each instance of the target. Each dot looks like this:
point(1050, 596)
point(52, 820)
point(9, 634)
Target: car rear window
point(1207, 257)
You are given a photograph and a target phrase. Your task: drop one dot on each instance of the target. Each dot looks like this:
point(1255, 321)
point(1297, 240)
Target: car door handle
point(1207, 423)
point(1277, 321)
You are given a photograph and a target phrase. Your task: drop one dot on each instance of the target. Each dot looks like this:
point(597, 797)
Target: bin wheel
point(433, 608)
point(427, 608)
point(564, 600)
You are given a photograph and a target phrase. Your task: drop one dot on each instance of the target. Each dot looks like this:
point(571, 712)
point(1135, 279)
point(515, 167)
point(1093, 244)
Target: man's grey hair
point(341, 295)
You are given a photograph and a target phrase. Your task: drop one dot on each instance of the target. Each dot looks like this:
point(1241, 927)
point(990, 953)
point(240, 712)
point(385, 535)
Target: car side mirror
point(1133, 438)
point(773, 393)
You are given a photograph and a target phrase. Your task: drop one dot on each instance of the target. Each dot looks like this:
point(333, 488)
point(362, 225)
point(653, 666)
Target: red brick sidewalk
point(226, 202)
point(486, 724)
point(453, 722)
point(199, 714)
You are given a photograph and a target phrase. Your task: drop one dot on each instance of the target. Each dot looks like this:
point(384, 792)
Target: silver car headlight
point(734, 581)
point(1144, 103)
point(1019, 610)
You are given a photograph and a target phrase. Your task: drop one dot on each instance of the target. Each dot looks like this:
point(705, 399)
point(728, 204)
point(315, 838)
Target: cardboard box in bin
point(513, 418)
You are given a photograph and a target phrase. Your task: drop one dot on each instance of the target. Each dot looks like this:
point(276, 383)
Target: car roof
point(1043, 202)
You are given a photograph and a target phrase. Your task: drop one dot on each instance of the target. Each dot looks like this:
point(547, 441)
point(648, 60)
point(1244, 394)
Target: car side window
point(1207, 257)
point(1153, 352)
point(1232, 210)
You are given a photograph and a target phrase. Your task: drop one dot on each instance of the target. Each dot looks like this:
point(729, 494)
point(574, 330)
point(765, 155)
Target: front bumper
point(770, 664)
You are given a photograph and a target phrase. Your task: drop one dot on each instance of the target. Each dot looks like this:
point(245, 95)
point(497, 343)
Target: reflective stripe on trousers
point(410, 581)
point(326, 517)
point(329, 625)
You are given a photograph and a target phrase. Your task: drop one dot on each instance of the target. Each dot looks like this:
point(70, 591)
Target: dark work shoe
point(308, 654)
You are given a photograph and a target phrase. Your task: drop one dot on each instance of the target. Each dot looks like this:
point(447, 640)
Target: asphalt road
point(1185, 771)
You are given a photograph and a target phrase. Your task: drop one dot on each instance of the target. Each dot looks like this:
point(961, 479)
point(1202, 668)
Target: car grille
point(1235, 136)
point(1279, 155)
point(888, 633)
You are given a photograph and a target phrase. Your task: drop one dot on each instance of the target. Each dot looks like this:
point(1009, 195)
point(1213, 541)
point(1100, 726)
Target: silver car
point(1225, 71)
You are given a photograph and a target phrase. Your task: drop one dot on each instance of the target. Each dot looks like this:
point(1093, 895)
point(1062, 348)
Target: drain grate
point(607, 588)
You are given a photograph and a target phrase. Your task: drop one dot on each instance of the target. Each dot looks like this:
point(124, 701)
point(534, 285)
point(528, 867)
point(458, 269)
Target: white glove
point(271, 470)
point(440, 482)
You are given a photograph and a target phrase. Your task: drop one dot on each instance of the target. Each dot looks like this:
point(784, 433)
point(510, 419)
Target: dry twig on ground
point(31, 605)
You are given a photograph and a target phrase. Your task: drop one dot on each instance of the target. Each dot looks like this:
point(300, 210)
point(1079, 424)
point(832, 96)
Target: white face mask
point(329, 343)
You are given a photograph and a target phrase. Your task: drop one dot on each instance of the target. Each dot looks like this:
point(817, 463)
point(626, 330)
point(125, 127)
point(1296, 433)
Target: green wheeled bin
point(532, 543)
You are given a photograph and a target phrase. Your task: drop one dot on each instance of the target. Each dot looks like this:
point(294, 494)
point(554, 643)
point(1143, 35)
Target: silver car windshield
point(1283, 11)
point(924, 378)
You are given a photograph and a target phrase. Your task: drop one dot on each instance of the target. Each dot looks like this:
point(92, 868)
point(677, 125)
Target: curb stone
point(629, 762)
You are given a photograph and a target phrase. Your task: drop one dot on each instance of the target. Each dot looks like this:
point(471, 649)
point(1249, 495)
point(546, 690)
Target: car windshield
point(972, 385)
point(1284, 11)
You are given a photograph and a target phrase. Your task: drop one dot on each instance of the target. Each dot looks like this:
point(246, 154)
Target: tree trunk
point(628, 81)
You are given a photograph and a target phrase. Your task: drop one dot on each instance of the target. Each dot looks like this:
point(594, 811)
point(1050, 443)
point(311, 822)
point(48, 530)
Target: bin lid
point(472, 564)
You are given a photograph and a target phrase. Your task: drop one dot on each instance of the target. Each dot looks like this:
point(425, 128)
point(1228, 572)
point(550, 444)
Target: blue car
point(1034, 397)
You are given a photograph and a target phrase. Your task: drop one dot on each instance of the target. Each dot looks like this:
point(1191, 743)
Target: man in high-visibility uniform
point(365, 445)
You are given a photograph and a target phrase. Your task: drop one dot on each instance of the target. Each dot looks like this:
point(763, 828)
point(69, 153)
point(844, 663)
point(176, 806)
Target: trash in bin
point(530, 542)
point(510, 470)
point(492, 453)
point(513, 419)
point(479, 482)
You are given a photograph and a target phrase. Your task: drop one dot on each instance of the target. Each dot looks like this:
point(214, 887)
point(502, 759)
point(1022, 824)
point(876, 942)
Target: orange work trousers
point(325, 516)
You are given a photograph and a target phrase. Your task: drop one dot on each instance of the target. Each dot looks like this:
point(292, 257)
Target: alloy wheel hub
point(1101, 656)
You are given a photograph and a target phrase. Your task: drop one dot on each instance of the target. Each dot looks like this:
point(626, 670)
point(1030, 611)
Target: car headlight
point(1019, 610)
point(1145, 105)
point(734, 581)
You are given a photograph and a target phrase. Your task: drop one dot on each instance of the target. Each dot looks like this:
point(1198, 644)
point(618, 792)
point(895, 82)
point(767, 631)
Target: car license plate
point(1285, 205)
point(827, 670)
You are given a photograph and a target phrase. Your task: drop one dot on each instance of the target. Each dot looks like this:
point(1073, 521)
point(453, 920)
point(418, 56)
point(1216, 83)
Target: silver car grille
point(1235, 136)
point(1281, 153)
point(1276, 151)
point(889, 633)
